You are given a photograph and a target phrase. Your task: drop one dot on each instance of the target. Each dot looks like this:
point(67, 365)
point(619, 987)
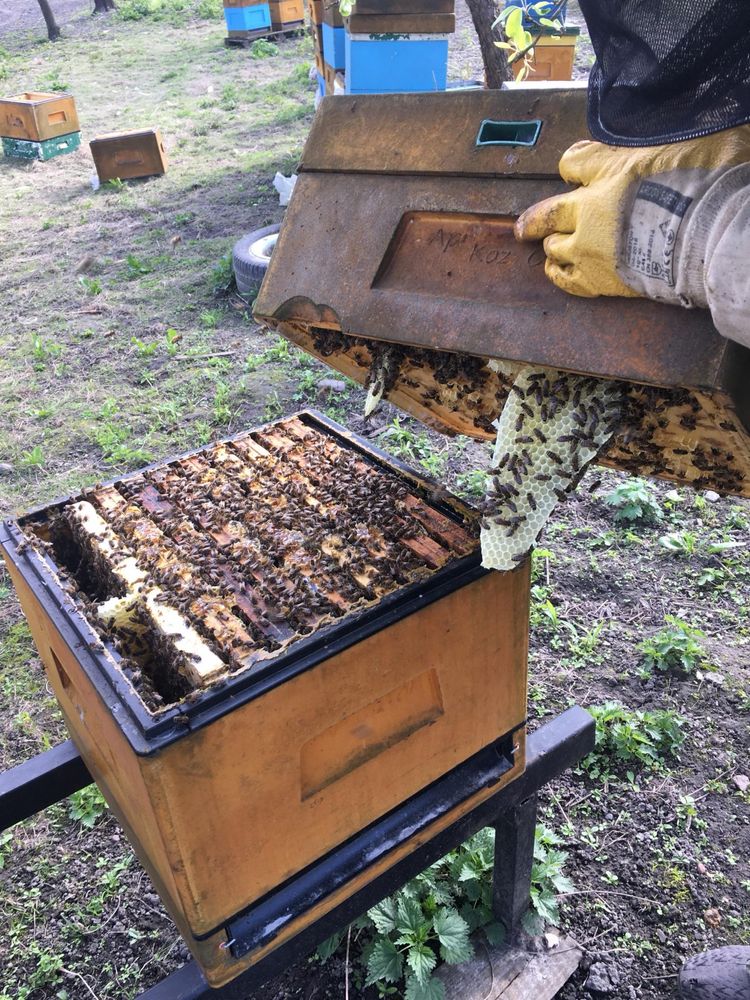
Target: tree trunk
point(102, 6)
point(53, 31)
point(483, 13)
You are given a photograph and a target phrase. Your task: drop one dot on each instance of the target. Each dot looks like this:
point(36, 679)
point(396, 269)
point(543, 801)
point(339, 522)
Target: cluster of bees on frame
point(282, 537)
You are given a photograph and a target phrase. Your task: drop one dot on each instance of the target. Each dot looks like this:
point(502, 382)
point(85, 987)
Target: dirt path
point(25, 15)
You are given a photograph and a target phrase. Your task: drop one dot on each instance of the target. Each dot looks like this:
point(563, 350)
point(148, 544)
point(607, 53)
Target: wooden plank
point(510, 972)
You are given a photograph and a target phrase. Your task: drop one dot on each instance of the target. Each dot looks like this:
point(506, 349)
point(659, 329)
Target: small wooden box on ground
point(286, 14)
point(248, 17)
point(241, 734)
point(25, 149)
point(554, 56)
point(38, 116)
point(411, 64)
point(126, 155)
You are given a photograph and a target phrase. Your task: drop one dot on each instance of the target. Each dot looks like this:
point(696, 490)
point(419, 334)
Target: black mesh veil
point(667, 69)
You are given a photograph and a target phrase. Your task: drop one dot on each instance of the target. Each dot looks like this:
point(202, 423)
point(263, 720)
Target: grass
point(228, 124)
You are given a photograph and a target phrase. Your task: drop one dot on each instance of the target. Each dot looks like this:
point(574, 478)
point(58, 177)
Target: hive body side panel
point(46, 118)
point(262, 792)
point(219, 967)
point(126, 779)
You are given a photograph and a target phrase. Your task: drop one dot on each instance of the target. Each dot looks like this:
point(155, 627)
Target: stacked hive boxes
point(316, 21)
point(334, 48)
point(287, 14)
point(38, 126)
point(398, 46)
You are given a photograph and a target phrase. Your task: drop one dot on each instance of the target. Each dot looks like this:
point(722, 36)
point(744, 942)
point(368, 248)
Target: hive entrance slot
point(524, 133)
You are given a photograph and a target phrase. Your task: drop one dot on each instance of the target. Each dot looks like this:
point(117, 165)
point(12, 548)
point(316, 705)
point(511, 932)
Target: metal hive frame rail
point(552, 749)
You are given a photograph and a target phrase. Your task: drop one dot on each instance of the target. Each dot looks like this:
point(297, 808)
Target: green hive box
point(26, 149)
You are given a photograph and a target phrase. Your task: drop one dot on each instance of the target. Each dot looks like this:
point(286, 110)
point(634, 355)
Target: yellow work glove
point(643, 219)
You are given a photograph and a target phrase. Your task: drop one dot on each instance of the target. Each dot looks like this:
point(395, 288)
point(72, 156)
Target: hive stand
point(551, 749)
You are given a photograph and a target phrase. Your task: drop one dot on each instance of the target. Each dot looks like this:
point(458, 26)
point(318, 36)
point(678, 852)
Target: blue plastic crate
point(382, 64)
point(253, 18)
point(334, 46)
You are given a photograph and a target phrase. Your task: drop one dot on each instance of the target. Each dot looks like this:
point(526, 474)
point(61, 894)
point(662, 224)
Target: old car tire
point(250, 258)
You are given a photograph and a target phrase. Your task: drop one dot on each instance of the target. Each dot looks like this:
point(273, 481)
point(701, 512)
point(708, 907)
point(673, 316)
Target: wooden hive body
point(38, 116)
point(414, 197)
point(231, 791)
point(125, 155)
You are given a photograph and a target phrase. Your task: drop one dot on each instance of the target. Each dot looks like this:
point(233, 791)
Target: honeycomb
point(219, 561)
point(552, 426)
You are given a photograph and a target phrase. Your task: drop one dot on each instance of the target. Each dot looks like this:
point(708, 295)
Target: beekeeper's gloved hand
point(662, 222)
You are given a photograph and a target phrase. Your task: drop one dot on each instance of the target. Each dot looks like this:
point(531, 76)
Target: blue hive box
point(334, 46)
point(254, 18)
point(384, 64)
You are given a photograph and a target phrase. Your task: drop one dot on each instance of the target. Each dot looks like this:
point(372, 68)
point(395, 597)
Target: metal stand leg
point(514, 856)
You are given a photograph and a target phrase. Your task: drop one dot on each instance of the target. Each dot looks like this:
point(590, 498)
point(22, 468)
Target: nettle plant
point(632, 739)
point(400, 941)
point(675, 649)
point(634, 502)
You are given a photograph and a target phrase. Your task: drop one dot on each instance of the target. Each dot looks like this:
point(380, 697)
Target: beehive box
point(404, 6)
point(554, 56)
point(414, 196)
point(378, 64)
point(398, 24)
point(331, 14)
point(37, 116)
point(286, 14)
point(47, 149)
point(263, 647)
point(126, 155)
point(316, 11)
point(334, 47)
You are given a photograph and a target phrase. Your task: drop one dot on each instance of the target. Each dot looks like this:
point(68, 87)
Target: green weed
point(86, 806)
point(263, 49)
point(222, 276)
point(142, 349)
point(136, 268)
point(6, 839)
point(680, 543)
point(91, 286)
point(173, 338)
point(634, 502)
point(674, 649)
point(472, 484)
point(43, 351)
point(629, 738)
point(33, 458)
point(222, 408)
point(400, 941)
point(547, 876)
